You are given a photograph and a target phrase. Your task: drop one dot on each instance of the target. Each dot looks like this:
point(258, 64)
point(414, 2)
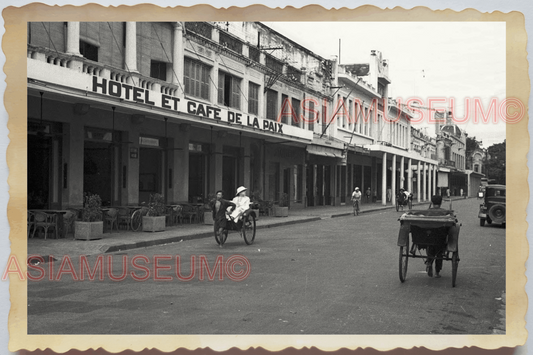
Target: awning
point(324, 151)
point(442, 179)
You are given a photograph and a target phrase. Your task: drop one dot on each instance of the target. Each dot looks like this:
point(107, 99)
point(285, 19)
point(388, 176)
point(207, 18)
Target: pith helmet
point(240, 189)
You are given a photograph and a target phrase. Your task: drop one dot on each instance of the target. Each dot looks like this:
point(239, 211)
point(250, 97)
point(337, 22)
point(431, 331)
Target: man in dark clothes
point(219, 212)
point(434, 251)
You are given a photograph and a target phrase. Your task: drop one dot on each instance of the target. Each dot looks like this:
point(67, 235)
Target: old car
point(492, 210)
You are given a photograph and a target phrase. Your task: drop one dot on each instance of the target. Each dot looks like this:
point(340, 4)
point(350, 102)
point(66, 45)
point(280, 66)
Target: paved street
point(331, 276)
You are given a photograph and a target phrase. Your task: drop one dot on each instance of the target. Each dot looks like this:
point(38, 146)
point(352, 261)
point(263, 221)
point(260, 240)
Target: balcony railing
point(202, 28)
point(89, 67)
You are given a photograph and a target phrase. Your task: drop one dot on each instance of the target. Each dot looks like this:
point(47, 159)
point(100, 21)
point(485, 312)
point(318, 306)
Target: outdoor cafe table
point(60, 230)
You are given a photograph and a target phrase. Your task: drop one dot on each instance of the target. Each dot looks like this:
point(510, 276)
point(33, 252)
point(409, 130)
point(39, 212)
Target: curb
point(149, 243)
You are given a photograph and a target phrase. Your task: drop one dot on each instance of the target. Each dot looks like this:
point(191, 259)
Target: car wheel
point(482, 222)
point(497, 213)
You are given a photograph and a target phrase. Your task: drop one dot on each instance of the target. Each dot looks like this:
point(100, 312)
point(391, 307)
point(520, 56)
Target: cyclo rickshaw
point(245, 226)
point(435, 228)
point(402, 200)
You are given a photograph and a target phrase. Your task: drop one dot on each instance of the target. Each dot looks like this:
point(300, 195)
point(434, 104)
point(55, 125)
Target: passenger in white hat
point(241, 201)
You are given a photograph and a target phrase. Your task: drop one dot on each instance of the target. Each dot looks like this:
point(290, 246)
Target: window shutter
point(221, 88)
point(236, 93)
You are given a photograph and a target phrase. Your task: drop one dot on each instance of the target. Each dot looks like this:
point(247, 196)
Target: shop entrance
point(150, 173)
point(327, 185)
point(39, 170)
point(310, 184)
point(320, 185)
point(98, 170)
point(287, 184)
point(229, 181)
point(196, 177)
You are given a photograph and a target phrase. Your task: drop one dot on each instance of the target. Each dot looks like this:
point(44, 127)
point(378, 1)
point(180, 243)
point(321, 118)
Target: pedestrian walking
point(356, 200)
point(389, 194)
point(368, 194)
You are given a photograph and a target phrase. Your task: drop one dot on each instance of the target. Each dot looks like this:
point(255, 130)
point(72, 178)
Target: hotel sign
point(222, 114)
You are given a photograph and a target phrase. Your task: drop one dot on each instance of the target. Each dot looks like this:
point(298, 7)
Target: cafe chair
point(171, 217)
point(45, 221)
point(68, 222)
point(124, 218)
point(178, 213)
point(191, 212)
point(111, 219)
point(31, 222)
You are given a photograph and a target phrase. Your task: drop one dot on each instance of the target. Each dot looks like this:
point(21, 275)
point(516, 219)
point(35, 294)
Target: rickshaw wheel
point(397, 206)
point(248, 229)
point(136, 220)
point(404, 251)
point(455, 265)
point(222, 239)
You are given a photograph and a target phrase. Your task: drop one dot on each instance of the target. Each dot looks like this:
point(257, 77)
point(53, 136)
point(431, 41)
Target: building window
point(274, 64)
point(229, 42)
point(229, 89)
point(253, 98)
point(89, 51)
point(201, 28)
point(296, 111)
point(324, 117)
point(312, 116)
point(294, 74)
point(272, 105)
point(381, 90)
point(158, 70)
point(284, 103)
point(254, 53)
point(196, 77)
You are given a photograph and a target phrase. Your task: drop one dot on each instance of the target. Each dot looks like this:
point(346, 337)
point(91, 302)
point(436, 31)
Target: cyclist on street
point(356, 200)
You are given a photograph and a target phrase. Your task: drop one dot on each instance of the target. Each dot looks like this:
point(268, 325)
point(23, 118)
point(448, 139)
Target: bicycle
point(356, 207)
point(137, 218)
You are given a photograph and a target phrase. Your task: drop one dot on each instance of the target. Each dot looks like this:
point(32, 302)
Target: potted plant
point(207, 209)
point(155, 219)
point(256, 203)
point(91, 225)
point(282, 209)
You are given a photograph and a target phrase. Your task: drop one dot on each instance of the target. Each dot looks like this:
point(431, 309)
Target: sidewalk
point(124, 240)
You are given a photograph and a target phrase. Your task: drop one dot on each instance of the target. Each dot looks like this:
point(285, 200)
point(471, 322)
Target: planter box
point(154, 224)
point(208, 218)
point(280, 211)
point(88, 230)
point(256, 214)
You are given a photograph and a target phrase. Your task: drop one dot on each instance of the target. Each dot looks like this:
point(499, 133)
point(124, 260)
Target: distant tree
point(495, 163)
point(471, 145)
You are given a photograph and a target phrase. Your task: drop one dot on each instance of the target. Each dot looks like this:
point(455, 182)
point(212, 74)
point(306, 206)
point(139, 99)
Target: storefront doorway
point(150, 173)
point(229, 176)
point(310, 184)
point(197, 174)
point(98, 170)
point(39, 170)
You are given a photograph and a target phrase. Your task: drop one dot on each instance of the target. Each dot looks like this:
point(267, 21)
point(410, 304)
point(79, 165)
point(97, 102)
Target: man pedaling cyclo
point(225, 211)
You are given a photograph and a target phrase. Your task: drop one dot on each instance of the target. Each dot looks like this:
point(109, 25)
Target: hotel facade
point(127, 109)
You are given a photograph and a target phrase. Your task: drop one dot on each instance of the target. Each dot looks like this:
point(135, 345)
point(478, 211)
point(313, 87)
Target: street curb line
point(149, 243)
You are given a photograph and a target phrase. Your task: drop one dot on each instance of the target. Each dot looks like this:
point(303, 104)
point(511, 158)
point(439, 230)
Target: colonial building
point(185, 109)
point(451, 147)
